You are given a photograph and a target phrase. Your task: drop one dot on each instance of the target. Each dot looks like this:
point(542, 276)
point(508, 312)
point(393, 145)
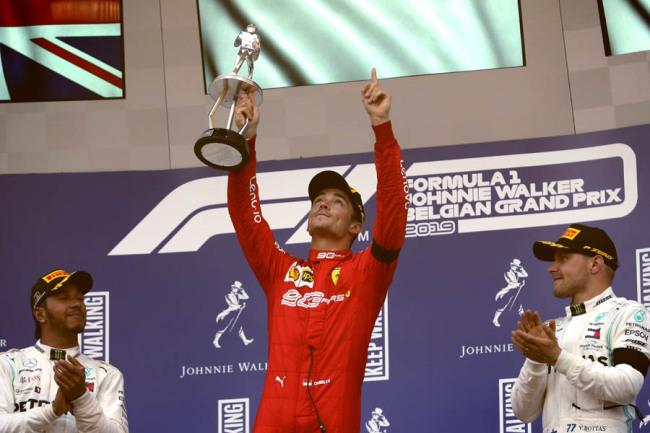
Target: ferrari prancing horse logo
point(335, 275)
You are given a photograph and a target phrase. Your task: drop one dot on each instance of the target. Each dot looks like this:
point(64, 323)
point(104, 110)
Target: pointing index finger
point(374, 75)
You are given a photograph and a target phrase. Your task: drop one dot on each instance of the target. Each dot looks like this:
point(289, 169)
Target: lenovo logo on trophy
point(226, 148)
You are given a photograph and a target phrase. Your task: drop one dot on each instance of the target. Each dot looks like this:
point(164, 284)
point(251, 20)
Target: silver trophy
point(225, 148)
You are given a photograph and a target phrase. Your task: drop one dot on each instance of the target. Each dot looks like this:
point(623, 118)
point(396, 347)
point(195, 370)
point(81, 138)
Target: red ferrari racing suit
point(321, 311)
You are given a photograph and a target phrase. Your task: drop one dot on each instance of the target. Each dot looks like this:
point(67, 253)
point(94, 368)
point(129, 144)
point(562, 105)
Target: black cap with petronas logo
point(590, 241)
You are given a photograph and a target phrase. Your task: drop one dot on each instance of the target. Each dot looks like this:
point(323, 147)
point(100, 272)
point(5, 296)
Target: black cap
point(54, 280)
point(590, 241)
point(331, 179)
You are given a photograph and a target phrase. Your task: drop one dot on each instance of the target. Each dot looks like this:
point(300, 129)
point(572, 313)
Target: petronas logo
point(639, 316)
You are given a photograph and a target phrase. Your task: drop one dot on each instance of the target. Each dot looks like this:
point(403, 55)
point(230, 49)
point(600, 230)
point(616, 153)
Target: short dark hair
point(37, 326)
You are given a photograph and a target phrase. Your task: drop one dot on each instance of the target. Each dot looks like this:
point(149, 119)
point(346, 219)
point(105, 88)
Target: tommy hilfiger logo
point(593, 333)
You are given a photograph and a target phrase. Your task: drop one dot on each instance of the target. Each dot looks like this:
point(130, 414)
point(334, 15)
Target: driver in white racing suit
point(583, 370)
point(51, 387)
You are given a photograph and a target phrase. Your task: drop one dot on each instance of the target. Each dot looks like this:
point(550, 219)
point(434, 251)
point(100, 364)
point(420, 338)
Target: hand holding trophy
point(225, 148)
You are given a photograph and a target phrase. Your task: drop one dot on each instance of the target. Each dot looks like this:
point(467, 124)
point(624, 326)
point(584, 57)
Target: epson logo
point(508, 422)
point(377, 363)
point(93, 342)
point(643, 276)
point(234, 416)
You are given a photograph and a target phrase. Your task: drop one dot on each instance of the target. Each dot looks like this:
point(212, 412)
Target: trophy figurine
point(225, 148)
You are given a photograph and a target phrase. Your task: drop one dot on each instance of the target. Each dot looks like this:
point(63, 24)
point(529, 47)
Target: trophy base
point(223, 149)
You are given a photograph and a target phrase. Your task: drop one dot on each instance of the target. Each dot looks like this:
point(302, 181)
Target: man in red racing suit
point(321, 311)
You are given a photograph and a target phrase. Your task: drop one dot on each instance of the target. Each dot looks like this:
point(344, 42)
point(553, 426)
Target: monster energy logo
point(578, 309)
point(57, 354)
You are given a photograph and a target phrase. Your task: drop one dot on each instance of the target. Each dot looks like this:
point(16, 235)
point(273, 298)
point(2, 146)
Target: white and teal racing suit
point(27, 389)
point(598, 374)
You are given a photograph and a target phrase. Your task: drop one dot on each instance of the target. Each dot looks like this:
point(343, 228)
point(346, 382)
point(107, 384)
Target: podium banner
point(163, 253)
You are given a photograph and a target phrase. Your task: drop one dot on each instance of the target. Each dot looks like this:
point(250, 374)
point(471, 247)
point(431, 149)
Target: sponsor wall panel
point(160, 247)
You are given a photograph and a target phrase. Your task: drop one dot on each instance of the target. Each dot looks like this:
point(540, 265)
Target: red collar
point(318, 255)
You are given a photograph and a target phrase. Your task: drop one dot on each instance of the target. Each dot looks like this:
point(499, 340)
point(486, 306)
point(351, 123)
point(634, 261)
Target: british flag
point(60, 50)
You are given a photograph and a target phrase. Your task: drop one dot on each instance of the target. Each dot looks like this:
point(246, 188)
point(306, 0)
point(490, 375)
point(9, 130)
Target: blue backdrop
point(162, 251)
